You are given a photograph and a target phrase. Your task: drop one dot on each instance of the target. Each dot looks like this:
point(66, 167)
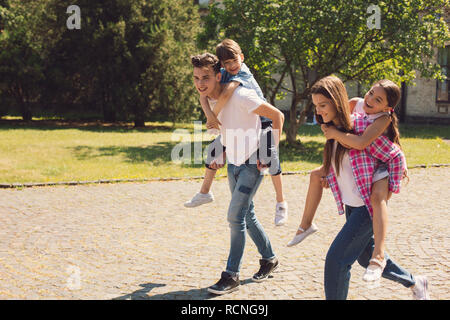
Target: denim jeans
point(355, 242)
point(244, 180)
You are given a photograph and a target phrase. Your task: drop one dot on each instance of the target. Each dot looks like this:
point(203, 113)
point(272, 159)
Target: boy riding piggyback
point(235, 73)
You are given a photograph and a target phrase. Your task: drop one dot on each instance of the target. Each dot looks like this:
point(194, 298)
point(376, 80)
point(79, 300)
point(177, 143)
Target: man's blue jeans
point(244, 180)
point(355, 242)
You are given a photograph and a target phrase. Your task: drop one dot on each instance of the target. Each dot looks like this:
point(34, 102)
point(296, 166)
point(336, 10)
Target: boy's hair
point(228, 49)
point(206, 60)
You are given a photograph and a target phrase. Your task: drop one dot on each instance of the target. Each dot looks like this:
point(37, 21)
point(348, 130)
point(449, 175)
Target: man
point(240, 132)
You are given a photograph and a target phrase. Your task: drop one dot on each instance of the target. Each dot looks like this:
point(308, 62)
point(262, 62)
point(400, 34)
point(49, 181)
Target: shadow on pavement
point(140, 294)
point(193, 294)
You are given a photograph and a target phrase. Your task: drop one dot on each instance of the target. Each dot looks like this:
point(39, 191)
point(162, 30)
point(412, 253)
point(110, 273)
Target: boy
point(241, 122)
point(234, 74)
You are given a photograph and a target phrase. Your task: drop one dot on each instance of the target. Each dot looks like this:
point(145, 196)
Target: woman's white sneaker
point(300, 237)
point(199, 199)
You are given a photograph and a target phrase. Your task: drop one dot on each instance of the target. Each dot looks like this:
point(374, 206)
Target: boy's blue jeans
point(244, 180)
point(355, 242)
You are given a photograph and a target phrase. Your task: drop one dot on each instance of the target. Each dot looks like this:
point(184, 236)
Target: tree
point(130, 57)
point(20, 55)
point(303, 41)
point(128, 61)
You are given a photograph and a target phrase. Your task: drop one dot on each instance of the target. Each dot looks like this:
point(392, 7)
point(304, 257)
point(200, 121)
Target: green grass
point(54, 152)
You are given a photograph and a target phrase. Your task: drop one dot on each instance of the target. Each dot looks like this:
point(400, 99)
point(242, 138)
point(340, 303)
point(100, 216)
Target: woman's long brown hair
point(333, 88)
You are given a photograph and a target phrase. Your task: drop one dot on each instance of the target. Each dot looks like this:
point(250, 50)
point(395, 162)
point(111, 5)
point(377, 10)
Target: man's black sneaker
point(226, 284)
point(267, 266)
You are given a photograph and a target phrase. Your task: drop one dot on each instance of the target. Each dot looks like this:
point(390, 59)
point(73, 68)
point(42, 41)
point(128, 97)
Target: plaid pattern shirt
point(365, 162)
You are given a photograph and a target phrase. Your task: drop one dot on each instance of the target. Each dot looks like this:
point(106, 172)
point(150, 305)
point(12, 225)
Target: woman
point(354, 241)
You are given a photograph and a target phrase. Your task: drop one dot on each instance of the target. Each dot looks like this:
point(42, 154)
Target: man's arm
point(226, 94)
point(354, 141)
point(277, 117)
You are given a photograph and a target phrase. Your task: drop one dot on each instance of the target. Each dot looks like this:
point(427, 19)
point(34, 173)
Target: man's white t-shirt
point(241, 127)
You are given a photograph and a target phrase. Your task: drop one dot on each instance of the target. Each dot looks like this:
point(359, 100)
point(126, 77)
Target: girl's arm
point(354, 141)
point(225, 95)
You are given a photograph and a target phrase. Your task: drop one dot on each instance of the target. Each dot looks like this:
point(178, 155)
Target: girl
point(349, 175)
point(377, 105)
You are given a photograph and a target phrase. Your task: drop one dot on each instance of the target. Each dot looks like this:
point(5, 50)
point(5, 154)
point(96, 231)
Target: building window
point(443, 87)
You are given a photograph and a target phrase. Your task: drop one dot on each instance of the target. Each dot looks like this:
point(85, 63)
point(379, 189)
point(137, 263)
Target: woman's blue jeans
point(244, 180)
point(355, 242)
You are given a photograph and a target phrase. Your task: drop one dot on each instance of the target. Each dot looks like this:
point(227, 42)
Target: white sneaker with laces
point(300, 237)
point(420, 289)
point(281, 213)
point(199, 199)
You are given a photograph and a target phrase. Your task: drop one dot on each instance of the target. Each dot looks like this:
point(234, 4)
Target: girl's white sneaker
point(375, 270)
point(300, 237)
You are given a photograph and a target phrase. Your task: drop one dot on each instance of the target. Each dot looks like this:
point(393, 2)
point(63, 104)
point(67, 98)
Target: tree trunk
point(26, 112)
point(291, 134)
point(295, 124)
point(139, 122)
point(109, 114)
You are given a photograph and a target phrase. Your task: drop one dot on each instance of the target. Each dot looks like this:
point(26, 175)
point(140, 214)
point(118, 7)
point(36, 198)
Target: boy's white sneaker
point(281, 213)
point(420, 290)
point(199, 199)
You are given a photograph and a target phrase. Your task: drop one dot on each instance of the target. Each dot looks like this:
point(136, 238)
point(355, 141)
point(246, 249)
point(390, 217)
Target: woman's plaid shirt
point(365, 162)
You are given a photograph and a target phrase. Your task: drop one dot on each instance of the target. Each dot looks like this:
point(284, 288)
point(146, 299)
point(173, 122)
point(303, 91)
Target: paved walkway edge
point(74, 183)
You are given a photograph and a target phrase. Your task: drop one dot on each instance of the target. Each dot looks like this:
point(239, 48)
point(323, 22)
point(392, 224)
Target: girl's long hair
point(393, 95)
point(333, 88)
